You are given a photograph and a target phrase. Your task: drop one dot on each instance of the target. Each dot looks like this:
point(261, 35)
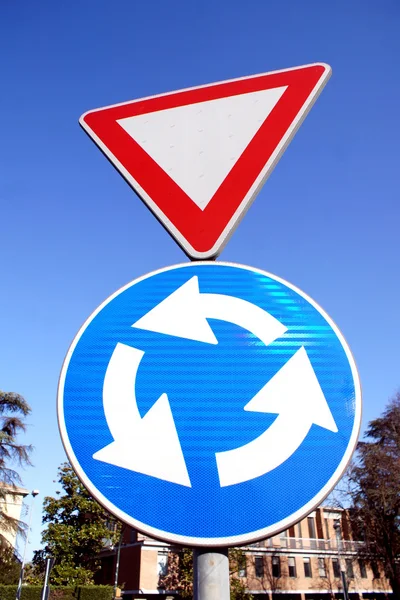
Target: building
point(143, 561)
point(305, 562)
point(11, 505)
point(302, 563)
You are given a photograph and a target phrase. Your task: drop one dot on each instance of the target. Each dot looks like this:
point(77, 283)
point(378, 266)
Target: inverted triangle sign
point(198, 157)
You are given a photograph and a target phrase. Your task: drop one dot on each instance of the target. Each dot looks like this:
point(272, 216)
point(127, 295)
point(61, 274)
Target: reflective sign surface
point(209, 404)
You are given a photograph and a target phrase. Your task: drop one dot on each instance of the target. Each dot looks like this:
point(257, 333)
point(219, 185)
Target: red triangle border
point(202, 233)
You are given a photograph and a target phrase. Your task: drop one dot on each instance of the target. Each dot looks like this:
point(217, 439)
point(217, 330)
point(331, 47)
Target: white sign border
point(221, 541)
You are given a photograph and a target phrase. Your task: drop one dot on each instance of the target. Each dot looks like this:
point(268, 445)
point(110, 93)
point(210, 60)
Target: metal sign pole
point(211, 574)
point(211, 570)
point(117, 561)
point(22, 572)
point(46, 588)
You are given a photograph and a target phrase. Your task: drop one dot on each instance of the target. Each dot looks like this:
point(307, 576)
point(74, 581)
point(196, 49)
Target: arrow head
point(152, 448)
point(295, 390)
point(180, 314)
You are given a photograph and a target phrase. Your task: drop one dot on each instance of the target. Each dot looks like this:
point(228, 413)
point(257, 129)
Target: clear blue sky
point(73, 232)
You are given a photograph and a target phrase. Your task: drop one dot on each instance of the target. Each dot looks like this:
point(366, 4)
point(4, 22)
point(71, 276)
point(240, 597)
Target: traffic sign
point(209, 404)
point(198, 157)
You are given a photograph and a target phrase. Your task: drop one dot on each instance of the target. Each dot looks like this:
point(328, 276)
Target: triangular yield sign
point(198, 157)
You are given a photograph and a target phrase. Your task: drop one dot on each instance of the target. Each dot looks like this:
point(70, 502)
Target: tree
point(179, 576)
point(237, 565)
point(9, 566)
point(34, 574)
point(375, 492)
point(13, 409)
point(77, 529)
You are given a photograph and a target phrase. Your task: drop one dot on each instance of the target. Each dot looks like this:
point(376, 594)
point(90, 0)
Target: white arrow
point(184, 314)
point(148, 445)
point(295, 395)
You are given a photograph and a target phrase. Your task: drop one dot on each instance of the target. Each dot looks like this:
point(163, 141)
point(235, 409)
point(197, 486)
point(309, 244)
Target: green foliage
point(238, 590)
point(237, 561)
point(32, 575)
point(76, 529)
point(375, 491)
point(30, 592)
point(179, 577)
point(7, 592)
point(9, 566)
point(94, 592)
point(13, 409)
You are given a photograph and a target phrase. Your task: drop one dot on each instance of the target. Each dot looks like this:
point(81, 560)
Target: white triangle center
point(197, 145)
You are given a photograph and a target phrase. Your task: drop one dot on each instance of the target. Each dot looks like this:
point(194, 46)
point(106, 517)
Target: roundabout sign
point(196, 392)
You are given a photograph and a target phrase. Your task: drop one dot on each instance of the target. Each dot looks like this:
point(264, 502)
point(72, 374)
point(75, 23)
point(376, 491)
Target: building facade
point(302, 563)
point(11, 505)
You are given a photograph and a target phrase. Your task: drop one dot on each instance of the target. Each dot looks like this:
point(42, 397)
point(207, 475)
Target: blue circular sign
point(209, 404)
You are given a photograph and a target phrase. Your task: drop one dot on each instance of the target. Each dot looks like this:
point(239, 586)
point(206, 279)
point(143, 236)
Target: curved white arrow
point(184, 314)
point(148, 445)
point(295, 395)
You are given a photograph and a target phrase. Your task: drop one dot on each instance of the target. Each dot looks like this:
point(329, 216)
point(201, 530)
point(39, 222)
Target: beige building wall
point(303, 561)
point(153, 563)
point(11, 505)
point(148, 569)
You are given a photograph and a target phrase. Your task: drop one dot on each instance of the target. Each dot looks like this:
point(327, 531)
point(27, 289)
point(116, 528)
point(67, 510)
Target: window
point(363, 569)
point(242, 570)
point(307, 567)
point(162, 564)
point(327, 535)
point(299, 534)
point(336, 568)
point(321, 567)
point(311, 532)
point(132, 536)
point(111, 525)
point(259, 566)
point(283, 539)
point(349, 568)
point(292, 566)
point(292, 538)
point(276, 566)
point(375, 570)
point(311, 527)
point(361, 535)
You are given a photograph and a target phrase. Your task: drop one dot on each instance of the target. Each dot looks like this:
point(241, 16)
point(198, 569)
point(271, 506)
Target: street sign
point(198, 157)
point(209, 404)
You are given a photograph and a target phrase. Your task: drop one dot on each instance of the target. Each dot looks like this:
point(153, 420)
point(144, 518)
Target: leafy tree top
point(13, 410)
point(375, 491)
point(77, 528)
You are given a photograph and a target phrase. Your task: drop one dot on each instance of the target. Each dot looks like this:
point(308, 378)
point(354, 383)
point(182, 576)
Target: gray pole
point(46, 588)
point(21, 574)
point(211, 574)
point(210, 571)
point(117, 561)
